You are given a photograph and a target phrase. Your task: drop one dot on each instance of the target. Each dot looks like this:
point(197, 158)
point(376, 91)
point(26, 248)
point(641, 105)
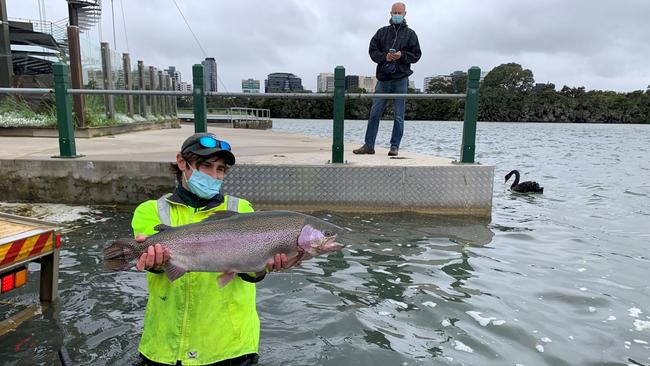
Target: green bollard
point(339, 114)
point(64, 112)
point(198, 99)
point(467, 150)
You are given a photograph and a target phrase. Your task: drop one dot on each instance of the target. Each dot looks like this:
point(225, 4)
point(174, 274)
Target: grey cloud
point(597, 44)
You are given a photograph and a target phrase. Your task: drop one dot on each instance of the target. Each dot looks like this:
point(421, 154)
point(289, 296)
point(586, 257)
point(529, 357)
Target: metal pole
point(467, 150)
point(6, 63)
point(339, 114)
point(63, 112)
point(126, 66)
point(198, 99)
point(142, 100)
point(107, 72)
point(76, 76)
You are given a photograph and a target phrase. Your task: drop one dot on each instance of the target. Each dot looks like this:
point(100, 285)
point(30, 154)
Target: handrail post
point(63, 112)
point(198, 99)
point(468, 147)
point(339, 114)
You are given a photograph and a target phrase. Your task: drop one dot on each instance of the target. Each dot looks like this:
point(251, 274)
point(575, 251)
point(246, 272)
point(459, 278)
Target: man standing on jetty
point(394, 48)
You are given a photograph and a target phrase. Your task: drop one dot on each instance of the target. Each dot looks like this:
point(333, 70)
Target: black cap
point(193, 145)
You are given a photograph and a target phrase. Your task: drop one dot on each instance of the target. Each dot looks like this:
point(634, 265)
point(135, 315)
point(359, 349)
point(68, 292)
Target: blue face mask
point(203, 185)
point(397, 19)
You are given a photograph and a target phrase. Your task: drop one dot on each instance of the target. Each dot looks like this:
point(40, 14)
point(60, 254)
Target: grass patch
point(16, 112)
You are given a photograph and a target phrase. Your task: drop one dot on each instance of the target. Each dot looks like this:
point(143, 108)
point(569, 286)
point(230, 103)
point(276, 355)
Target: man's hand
point(155, 257)
point(392, 56)
point(280, 261)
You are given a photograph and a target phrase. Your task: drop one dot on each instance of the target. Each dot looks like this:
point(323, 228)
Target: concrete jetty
point(273, 170)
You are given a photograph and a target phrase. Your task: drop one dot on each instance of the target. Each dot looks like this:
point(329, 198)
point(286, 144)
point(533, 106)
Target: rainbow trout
point(231, 243)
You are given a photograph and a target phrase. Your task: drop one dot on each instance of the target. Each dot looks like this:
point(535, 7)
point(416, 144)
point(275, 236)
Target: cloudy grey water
point(556, 279)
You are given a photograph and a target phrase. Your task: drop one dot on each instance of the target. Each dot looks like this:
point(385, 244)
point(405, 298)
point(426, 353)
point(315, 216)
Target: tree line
point(508, 93)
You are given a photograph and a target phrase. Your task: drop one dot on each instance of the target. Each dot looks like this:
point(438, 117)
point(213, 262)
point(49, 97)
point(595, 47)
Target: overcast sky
point(599, 44)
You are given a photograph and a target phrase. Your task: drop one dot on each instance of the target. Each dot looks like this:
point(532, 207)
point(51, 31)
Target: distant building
point(283, 82)
point(441, 79)
point(183, 86)
point(411, 84)
point(368, 83)
point(175, 75)
point(250, 86)
point(425, 82)
point(210, 74)
point(325, 82)
point(457, 74)
point(352, 83)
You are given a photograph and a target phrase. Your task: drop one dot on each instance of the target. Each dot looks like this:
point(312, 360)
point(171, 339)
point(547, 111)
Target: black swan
point(523, 187)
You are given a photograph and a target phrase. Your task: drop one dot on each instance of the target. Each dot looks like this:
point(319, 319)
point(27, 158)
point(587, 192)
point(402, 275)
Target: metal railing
point(55, 29)
point(62, 94)
point(252, 114)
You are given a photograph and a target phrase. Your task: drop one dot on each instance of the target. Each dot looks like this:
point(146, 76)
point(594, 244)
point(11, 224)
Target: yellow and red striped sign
point(23, 248)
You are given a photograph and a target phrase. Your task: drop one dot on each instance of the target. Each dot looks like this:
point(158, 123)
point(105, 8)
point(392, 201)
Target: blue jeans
point(399, 86)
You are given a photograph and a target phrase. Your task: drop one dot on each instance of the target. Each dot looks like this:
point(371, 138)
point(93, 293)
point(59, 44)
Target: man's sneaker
point(364, 150)
point(393, 151)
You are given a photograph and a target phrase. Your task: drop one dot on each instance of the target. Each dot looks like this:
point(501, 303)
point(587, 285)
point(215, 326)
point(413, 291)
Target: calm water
point(556, 279)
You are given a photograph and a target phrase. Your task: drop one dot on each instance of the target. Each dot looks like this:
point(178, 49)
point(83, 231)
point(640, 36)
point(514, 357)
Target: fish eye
point(328, 233)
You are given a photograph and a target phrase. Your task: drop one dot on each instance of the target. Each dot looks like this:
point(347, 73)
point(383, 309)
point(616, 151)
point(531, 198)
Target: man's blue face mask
point(397, 19)
point(202, 184)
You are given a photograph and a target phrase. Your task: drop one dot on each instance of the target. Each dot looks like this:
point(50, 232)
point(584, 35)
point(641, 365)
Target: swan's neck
point(516, 179)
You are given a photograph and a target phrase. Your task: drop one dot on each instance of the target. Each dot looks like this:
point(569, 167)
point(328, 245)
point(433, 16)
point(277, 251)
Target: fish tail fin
point(174, 271)
point(120, 255)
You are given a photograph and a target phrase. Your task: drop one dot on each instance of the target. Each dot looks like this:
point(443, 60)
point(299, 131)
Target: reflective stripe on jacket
point(192, 319)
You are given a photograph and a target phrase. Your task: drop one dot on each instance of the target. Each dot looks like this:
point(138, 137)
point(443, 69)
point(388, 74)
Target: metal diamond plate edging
point(455, 186)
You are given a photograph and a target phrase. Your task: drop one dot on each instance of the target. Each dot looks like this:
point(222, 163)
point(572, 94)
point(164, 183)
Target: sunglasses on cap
point(211, 143)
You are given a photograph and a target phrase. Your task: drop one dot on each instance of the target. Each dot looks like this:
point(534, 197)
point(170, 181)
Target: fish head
point(319, 237)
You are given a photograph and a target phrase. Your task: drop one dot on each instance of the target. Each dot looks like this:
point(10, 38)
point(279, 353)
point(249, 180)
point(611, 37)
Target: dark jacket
point(407, 42)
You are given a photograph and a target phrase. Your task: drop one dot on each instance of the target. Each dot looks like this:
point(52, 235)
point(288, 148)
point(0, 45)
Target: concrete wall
point(83, 182)
point(450, 190)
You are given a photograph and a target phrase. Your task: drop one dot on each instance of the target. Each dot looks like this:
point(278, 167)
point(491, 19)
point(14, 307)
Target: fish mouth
point(330, 245)
point(314, 241)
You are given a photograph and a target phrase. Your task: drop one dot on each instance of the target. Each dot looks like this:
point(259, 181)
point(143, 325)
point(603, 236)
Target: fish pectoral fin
point(295, 260)
point(173, 271)
point(225, 278)
point(161, 227)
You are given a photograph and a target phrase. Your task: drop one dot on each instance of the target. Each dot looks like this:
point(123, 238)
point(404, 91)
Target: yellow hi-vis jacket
point(192, 319)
